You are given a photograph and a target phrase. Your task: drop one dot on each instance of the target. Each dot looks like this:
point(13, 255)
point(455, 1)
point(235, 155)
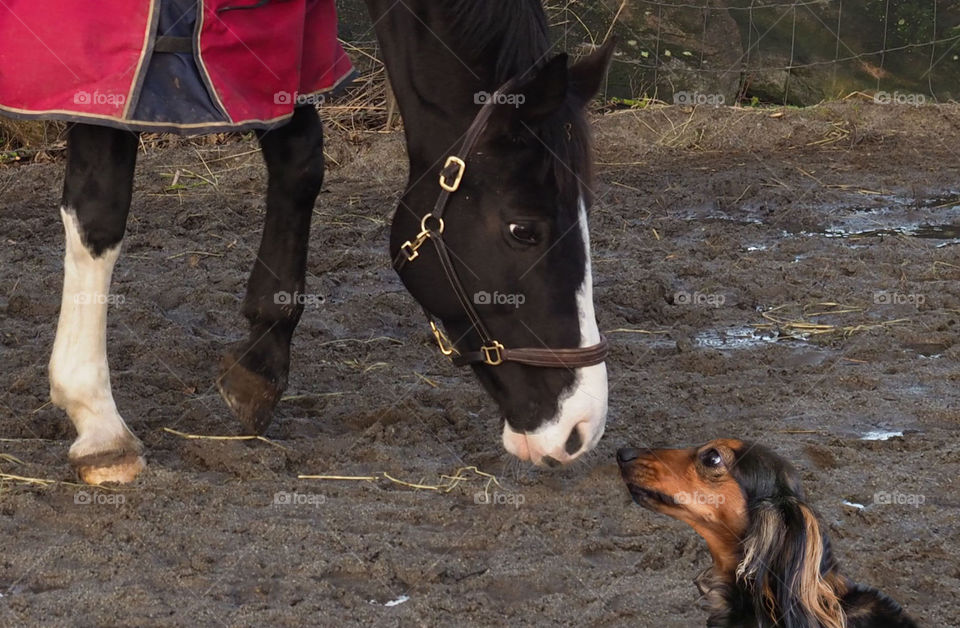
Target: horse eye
point(711, 459)
point(523, 232)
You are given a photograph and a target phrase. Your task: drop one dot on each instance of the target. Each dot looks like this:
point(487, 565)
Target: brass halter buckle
point(493, 354)
point(446, 347)
point(461, 168)
point(411, 248)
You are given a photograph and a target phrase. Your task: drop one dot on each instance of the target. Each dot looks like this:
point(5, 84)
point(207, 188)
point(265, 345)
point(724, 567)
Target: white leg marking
point(585, 407)
point(79, 373)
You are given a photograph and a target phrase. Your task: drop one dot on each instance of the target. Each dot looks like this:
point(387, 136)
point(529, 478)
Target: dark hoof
point(252, 397)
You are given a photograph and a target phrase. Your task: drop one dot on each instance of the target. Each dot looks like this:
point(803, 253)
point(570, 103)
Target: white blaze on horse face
point(584, 406)
point(79, 373)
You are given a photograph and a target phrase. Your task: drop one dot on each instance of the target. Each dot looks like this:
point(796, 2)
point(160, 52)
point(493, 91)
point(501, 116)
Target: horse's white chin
point(583, 411)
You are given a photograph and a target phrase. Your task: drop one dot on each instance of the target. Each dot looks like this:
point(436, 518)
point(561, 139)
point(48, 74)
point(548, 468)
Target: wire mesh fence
point(780, 51)
point(792, 52)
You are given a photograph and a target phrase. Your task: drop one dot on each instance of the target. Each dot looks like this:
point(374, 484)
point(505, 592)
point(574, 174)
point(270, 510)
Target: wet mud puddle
point(936, 219)
point(741, 337)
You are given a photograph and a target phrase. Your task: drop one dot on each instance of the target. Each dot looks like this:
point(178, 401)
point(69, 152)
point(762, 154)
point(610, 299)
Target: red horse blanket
point(168, 65)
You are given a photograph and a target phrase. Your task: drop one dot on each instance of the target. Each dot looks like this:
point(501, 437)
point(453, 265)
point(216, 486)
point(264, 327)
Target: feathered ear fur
point(785, 566)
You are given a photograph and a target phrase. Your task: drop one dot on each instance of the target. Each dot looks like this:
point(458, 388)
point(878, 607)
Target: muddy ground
point(709, 225)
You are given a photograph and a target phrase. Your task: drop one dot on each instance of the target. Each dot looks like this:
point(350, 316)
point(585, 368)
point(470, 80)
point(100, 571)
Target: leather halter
point(492, 352)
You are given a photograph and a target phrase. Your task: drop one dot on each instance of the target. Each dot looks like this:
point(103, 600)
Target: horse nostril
point(627, 454)
point(574, 442)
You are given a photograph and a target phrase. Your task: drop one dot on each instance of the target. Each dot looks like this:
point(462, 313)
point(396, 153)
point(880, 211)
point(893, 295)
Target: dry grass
point(22, 140)
point(187, 436)
point(446, 483)
point(821, 319)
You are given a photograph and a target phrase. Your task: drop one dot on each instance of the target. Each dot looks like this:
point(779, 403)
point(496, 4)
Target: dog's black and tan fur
point(772, 562)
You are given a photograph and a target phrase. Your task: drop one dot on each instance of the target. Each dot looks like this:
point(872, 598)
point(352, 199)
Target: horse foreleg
point(96, 199)
point(253, 374)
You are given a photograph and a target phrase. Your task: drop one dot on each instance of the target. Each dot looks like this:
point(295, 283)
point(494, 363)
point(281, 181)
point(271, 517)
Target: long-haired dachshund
point(772, 563)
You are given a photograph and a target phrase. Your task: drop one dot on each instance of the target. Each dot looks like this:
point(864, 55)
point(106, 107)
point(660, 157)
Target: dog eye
point(524, 232)
point(711, 459)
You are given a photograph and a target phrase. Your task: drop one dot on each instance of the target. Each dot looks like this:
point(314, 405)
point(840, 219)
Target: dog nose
point(627, 454)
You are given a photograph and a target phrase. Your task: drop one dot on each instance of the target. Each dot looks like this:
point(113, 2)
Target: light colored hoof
point(119, 461)
point(123, 471)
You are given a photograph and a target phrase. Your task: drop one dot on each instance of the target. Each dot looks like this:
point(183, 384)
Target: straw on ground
point(446, 484)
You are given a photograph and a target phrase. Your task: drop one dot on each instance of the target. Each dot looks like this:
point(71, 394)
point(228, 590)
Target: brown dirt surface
point(720, 236)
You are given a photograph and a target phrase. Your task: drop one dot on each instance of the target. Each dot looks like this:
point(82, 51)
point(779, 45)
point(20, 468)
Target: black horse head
point(516, 228)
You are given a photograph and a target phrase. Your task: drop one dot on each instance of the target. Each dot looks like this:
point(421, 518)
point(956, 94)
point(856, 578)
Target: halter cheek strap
point(492, 352)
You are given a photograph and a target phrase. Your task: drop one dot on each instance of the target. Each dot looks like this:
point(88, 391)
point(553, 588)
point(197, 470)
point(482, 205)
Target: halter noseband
point(492, 352)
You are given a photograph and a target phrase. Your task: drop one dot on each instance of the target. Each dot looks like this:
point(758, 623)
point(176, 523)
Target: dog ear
point(785, 554)
point(818, 594)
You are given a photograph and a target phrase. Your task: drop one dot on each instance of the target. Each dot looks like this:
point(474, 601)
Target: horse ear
point(588, 74)
point(546, 92)
point(783, 559)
